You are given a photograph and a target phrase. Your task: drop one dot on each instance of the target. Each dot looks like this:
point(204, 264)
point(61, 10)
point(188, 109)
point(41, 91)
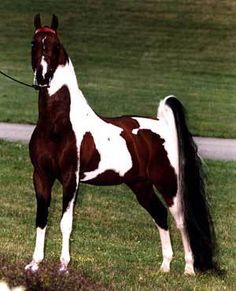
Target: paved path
point(209, 148)
point(16, 132)
point(216, 148)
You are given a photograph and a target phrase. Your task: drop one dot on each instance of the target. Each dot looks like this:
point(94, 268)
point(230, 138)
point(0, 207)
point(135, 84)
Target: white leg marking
point(38, 251)
point(66, 228)
point(176, 211)
point(189, 269)
point(167, 251)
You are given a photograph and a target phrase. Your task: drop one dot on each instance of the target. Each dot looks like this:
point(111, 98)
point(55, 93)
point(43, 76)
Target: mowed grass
point(130, 54)
point(114, 243)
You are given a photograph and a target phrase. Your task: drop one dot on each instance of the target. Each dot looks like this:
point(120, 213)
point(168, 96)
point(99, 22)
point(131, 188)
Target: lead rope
point(36, 87)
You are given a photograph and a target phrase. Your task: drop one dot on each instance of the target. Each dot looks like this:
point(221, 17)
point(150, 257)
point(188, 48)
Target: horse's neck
point(65, 76)
point(63, 102)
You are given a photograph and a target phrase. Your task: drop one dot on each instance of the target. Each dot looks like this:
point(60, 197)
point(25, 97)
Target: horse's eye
point(33, 44)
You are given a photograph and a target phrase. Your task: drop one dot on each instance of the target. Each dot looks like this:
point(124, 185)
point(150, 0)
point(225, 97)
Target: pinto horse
point(74, 145)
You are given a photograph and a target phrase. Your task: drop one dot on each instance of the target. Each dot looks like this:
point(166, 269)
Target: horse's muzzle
point(40, 80)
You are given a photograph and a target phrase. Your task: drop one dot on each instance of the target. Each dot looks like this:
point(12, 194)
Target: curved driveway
point(209, 148)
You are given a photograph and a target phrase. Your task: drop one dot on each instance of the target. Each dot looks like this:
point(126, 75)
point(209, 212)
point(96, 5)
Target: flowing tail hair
point(191, 183)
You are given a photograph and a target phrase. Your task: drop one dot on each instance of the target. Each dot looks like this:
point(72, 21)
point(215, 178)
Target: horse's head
point(47, 52)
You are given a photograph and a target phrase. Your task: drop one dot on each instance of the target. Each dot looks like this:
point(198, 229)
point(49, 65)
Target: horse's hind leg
point(148, 199)
point(43, 185)
point(70, 187)
point(177, 211)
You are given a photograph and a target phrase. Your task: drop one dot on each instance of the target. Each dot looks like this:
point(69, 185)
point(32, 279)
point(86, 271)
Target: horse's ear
point(54, 24)
point(37, 21)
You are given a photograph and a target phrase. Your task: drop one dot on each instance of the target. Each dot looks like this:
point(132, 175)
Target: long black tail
point(198, 221)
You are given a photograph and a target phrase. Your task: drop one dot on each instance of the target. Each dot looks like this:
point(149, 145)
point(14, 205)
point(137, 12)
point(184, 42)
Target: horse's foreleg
point(43, 195)
point(66, 228)
point(148, 199)
point(70, 188)
point(38, 251)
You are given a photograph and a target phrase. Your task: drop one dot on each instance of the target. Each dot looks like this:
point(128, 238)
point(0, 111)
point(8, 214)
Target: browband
point(45, 29)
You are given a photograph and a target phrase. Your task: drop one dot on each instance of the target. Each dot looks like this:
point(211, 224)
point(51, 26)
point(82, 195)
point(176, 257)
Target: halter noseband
point(45, 29)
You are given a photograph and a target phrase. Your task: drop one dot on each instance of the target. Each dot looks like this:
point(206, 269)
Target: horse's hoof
point(32, 267)
point(165, 267)
point(164, 270)
point(189, 271)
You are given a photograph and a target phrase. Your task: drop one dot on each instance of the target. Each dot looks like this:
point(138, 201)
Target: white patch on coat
point(165, 128)
point(43, 42)
point(114, 154)
point(112, 147)
point(44, 65)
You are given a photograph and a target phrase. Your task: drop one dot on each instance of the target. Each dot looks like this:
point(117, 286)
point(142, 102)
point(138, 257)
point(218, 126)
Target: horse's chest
point(55, 150)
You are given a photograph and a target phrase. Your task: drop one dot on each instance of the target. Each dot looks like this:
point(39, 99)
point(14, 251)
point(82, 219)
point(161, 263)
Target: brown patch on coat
point(89, 155)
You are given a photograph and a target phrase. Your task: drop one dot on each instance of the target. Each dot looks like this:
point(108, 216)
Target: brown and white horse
point(73, 144)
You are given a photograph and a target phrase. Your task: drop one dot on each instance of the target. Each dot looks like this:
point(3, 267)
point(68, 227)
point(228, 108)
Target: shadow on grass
point(48, 278)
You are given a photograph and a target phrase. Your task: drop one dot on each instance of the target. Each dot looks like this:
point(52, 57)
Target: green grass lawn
point(114, 242)
point(130, 54)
